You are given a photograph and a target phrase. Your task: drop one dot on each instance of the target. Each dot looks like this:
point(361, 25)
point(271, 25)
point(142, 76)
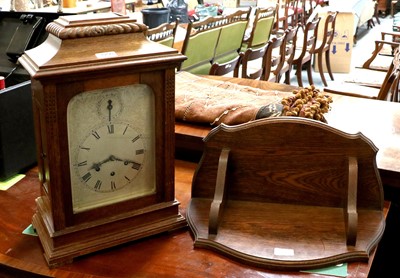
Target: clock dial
point(111, 141)
point(109, 169)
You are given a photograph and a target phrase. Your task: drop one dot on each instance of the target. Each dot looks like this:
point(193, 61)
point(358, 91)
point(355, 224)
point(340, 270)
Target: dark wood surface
point(378, 120)
point(165, 255)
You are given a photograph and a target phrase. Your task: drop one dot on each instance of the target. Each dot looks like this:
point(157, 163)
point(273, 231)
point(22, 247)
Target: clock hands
point(96, 166)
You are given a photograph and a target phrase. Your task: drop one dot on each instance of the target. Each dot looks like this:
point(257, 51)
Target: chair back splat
point(323, 47)
point(304, 53)
point(252, 63)
point(290, 49)
point(274, 59)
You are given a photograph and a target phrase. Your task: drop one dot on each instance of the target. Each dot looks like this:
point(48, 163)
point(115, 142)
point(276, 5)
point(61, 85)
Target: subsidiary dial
point(109, 106)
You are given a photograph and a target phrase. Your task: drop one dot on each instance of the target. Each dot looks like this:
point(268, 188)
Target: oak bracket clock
point(103, 101)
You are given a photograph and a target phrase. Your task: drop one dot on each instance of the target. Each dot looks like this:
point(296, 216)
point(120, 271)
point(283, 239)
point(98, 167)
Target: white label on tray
point(283, 252)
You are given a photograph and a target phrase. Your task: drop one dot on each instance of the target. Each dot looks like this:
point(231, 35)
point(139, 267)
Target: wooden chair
point(389, 90)
point(284, 15)
point(226, 68)
point(273, 59)
point(304, 53)
point(270, 60)
point(252, 64)
point(299, 13)
point(164, 34)
point(309, 6)
point(200, 43)
point(230, 40)
point(373, 72)
point(393, 4)
point(261, 28)
point(289, 51)
point(387, 38)
point(323, 47)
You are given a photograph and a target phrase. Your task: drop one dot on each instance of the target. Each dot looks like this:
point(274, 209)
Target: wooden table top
point(165, 255)
point(172, 254)
point(377, 120)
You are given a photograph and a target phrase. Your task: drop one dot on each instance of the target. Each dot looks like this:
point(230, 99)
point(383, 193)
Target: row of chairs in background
point(219, 45)
point(276, 49)
point(214, 40)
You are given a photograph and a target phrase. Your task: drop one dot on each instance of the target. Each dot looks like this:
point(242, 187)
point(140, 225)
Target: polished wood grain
point(165, 255)
point(377, 120)
point(291, 183)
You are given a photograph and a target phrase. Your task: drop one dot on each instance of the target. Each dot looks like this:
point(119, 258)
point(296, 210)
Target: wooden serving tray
point(287, 193)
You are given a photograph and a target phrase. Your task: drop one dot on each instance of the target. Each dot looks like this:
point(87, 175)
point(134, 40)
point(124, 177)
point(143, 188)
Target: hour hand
point(96, 166)
point(109, 107)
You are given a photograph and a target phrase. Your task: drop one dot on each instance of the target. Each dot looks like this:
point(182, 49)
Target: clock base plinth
point(63, 246)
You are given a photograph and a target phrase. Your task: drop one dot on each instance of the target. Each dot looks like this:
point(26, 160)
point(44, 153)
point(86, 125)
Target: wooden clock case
point(85, 53)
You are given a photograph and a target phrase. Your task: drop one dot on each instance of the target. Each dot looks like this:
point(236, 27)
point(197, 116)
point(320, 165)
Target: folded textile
point(207, 101)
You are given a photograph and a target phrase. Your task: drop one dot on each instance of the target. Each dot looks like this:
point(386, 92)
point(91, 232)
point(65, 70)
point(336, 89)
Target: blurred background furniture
point(388, 90)
point(19, 31)
point(323, 47)
point(305, 48)
point(164, 33)
point(261, 28)
point(363, 11)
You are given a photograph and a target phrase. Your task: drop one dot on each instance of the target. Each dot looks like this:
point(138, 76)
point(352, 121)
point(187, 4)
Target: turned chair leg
point(328, 64)
point(320, 69)
point(309, 72)
point(287, 77)
point(298, 75)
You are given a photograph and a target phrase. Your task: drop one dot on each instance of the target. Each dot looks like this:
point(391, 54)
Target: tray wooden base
point(279, 236)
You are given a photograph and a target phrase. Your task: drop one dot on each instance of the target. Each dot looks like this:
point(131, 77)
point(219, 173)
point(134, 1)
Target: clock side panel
point(164, 89)
point(47, 135)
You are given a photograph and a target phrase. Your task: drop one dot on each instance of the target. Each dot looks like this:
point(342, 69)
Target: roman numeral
point(83, 163)
point(110, 129)
point(87, 176)
point(84, 148)
point(136, 138)
point(97, 186)
point(136, 165)
point(113, 186)
point(95, 134)
point(126, 128)
point(140, 151)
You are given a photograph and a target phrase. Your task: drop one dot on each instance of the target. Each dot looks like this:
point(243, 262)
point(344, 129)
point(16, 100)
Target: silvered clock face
point(111, 145)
